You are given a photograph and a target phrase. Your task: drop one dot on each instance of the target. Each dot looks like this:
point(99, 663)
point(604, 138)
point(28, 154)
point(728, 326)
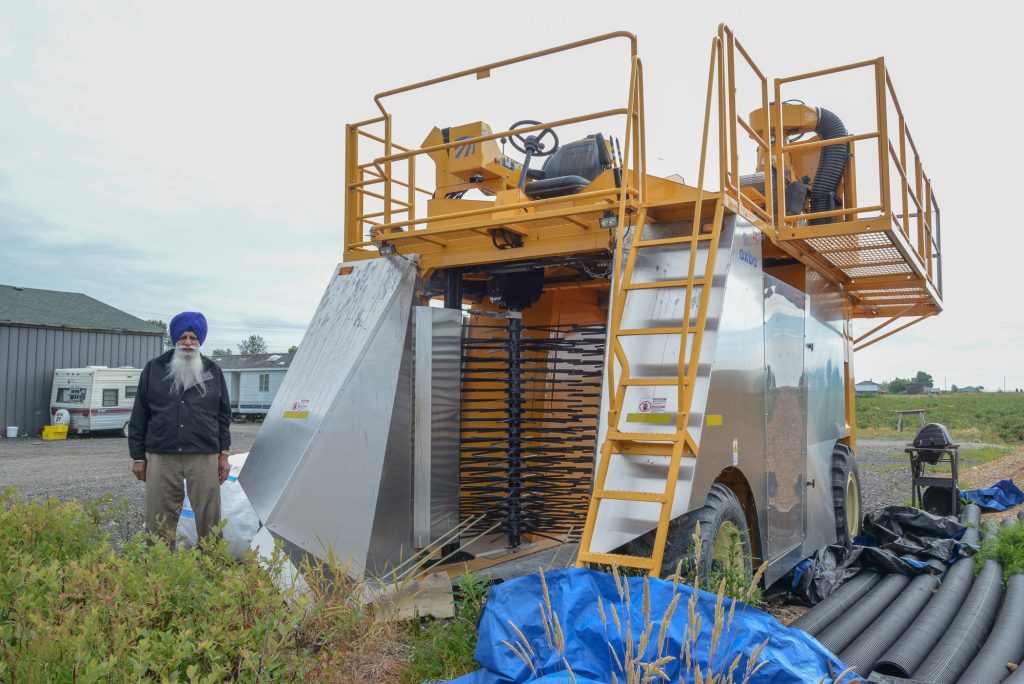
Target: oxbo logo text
point(748, 257)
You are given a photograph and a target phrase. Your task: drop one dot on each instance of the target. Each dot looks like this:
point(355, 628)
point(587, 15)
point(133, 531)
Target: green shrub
point(73, 608)
point(731, 572)
point(80, 602)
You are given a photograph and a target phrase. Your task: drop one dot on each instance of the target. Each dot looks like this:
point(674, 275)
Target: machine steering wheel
point(529, 144)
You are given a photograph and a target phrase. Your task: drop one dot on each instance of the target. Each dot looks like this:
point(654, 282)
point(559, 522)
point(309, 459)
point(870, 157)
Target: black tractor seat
point(571, 168)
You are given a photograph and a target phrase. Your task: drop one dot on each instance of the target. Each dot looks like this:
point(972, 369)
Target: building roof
point(253, 362)
point(867, 382)
point(54, 309)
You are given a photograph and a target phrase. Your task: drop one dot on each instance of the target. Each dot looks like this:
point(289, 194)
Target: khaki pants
point(165, 474)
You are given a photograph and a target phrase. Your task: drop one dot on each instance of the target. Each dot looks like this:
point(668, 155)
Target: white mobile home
point(97, 397)
point(253, 381)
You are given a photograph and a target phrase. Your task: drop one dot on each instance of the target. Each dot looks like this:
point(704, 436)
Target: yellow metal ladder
point(672, 445)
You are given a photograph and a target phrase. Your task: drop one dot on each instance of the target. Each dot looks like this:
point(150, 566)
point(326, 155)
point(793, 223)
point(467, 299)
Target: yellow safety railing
point(379, 178)
point(917, 200)
point(726, 47)
point(917, 216)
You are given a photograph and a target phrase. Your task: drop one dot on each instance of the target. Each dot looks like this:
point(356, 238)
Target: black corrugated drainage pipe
point(964, 637)
point(831, 164)
point(970, 516)
point(851, 623)
point(1005, 643)
point(907, 653)
point(867, 648)
point(835, 604)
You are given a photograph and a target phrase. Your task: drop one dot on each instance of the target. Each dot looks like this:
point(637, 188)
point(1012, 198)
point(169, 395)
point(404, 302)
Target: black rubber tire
point(843, 465)
point(124, 430)
point(720, 507)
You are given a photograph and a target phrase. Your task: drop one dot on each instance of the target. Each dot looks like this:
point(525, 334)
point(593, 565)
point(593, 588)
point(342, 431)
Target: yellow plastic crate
point(55, 432)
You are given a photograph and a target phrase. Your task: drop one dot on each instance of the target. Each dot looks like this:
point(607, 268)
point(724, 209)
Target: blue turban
point(188, 320)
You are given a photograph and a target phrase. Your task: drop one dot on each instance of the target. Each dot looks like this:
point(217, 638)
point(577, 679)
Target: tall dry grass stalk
point(635, 662)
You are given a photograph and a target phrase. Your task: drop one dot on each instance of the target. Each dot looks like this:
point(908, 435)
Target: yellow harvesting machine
point(583, 350)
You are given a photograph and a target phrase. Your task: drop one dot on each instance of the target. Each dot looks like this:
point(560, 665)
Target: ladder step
point(627, 332)
point(657, 437)
point(665, 284)
point(659, 242)
point(617, 559)
point(622, 495)
point(655, 450)
point(650, 382)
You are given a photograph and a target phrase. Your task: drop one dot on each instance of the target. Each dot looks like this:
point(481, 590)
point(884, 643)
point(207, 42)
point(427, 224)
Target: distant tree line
point(254, 344)
point(922, 379)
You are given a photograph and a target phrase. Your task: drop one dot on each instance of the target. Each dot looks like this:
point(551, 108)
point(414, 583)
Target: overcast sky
point(170, 156)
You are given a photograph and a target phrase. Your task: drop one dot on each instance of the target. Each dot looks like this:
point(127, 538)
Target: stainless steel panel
point(820, 517)
point(786, 401)
point(391, 536)
point(437, 403)
point(826, 405)
point(314, 471)
point(823, 361)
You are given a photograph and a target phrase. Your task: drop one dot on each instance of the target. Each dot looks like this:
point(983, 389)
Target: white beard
point(186, 370)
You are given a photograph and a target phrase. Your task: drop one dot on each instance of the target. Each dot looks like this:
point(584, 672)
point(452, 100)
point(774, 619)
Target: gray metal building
point(42, 330)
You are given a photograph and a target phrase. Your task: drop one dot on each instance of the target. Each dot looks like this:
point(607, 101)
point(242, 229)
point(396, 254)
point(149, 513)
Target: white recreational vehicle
point(96, 397)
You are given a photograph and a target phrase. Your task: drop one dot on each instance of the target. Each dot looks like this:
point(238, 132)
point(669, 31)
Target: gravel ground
point(85, 467)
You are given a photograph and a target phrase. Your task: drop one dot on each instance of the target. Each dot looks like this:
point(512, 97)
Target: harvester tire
point(846, 498)
point(720, 518)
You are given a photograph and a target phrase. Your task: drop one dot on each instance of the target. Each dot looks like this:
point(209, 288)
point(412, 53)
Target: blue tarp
point(1000, 496)
point(789, 656)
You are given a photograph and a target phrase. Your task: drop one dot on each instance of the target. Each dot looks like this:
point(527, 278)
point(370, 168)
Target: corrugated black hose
point(852, 622)
point(907, 653)
point(831, 165)
point(965, 635)
point(1005, 644)
point(867, 648)
point(835, 604)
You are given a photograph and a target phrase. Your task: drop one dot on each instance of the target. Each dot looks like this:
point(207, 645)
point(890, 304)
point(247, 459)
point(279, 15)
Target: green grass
point(989, 417)
point(443, 649)
point(1007, 547)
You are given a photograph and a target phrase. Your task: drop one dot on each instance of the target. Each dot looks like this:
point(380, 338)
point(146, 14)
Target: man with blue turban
point(180, 431)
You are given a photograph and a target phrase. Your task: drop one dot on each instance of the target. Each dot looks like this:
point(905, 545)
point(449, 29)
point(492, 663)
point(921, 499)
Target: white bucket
point(12, 431)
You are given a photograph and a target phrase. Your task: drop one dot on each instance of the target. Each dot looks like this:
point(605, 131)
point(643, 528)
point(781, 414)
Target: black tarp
point(893, 539)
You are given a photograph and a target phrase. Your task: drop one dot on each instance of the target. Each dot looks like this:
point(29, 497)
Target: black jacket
point(164, 422)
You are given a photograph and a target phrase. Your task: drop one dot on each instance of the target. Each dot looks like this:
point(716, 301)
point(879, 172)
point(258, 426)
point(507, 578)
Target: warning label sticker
point(298, 410)
point(653, 405)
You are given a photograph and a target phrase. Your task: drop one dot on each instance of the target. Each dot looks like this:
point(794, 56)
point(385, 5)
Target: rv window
point(264, 382)
point(110, 397)
point(71, 395)
point(130, 391)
